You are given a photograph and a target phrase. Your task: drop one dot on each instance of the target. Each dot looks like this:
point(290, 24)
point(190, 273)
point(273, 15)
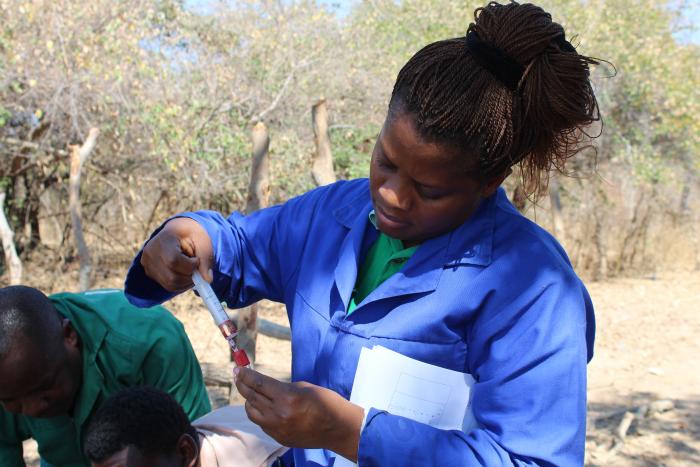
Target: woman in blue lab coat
point(427, 258)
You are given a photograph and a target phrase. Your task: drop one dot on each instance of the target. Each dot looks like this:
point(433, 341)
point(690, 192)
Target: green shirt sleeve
point(135, 347)
point(171, 366)
point(11, 437)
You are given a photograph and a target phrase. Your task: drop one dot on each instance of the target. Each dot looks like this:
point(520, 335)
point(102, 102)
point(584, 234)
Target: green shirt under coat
point(385, 258)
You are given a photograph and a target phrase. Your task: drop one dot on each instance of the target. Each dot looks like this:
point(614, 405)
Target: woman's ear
point(188, 449)
point(493, 183)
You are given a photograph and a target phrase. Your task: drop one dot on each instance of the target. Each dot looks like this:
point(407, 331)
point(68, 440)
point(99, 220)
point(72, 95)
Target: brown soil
point(647, 347)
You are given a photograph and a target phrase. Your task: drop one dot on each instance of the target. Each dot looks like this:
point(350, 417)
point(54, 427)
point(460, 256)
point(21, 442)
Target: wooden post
point(12, 261)
point(78, 156)
point(258, 198)
point(259, 188)
point(322, 168)
point(269, 329)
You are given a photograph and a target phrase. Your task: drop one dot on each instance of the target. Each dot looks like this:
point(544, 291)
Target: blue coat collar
point(469, 244)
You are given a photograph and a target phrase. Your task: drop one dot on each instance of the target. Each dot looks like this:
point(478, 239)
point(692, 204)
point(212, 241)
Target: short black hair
point(144, 417)
point(27, 312)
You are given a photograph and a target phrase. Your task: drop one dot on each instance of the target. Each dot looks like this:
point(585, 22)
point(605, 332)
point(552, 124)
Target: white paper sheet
point(387, 380)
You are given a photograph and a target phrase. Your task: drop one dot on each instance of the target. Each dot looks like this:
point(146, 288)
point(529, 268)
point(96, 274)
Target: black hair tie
point(565, 45)
point(501, 66)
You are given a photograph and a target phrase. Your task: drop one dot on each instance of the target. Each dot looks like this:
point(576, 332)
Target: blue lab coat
point(496, 297)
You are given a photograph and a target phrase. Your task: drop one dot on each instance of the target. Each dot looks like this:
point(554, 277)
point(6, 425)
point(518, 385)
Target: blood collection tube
point(226, 326)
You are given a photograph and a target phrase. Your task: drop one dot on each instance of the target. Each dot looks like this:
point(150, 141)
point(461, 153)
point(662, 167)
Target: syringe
point(226, 326)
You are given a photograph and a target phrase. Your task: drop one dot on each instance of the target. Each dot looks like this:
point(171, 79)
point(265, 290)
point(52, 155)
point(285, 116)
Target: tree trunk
point(12, 261)
point(629, 243)
point(601, 271)
point(259, 188)
point(322, 168)
point(555, 206)
point(258, 198)
point(697, 252)
point(694, 233)
point(519, 197)
point(687, 217)
point(17, 203)
point(78, 157)
point(683, 205)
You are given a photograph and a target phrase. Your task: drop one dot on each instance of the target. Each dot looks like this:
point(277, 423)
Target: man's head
point(40, 358)
point(139, 427)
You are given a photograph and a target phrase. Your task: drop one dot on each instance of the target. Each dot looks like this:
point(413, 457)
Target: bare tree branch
point(276, 100)
point(36, 147)
point(79, 154)
point(11, 259)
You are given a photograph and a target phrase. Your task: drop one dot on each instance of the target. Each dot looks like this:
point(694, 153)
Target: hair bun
point(490, 57)
point(513, 91)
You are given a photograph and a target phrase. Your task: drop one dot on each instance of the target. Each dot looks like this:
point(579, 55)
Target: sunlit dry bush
point(175, 93)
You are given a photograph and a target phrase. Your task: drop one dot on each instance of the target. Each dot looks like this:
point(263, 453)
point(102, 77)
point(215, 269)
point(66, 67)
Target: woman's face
point(419, 188)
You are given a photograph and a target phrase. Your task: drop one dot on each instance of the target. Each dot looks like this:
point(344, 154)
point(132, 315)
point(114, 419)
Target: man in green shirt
point(62, 356)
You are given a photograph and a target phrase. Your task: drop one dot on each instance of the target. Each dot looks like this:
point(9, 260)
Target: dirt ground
point(647, 348)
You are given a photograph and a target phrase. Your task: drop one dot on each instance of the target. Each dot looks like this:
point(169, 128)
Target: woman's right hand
point(172, 255)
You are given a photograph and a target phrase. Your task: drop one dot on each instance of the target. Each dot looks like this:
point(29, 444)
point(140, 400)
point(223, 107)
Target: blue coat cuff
point(141, 290)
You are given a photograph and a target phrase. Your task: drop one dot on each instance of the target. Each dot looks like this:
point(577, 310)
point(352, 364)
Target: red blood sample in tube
point(230, 331)
point(240, 358)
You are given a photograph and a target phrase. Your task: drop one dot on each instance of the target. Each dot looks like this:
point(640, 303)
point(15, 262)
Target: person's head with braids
point(464, 111)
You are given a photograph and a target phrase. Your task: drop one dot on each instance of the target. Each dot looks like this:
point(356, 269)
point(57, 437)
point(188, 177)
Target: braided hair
point(513, 91)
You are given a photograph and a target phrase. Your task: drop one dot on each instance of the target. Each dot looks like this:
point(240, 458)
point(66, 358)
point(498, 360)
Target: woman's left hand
point(302, 414)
